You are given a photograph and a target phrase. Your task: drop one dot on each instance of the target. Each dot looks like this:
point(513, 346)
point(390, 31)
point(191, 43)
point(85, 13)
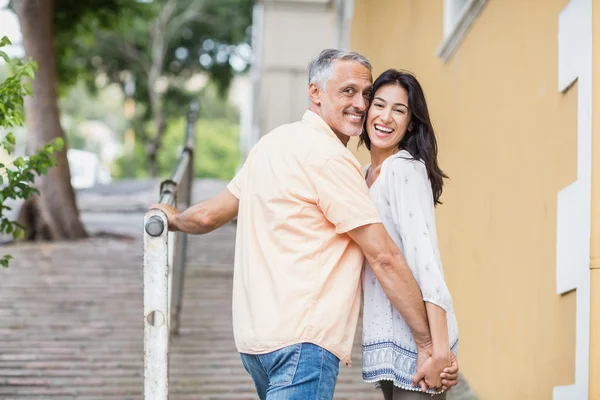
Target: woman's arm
point(411, 205)
point(438, 326)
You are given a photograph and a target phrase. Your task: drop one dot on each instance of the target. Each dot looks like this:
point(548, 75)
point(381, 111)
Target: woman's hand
point(450, 375)
point(436, 371)
point(439, 363)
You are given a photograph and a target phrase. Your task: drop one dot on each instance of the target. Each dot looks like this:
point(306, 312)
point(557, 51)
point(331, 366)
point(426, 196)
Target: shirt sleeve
point(342, 193)
point(235, 185)
point(411, 204)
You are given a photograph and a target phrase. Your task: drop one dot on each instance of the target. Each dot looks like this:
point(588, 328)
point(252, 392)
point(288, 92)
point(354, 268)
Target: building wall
point(594, 393)
point(508, 141)
point(287, 34)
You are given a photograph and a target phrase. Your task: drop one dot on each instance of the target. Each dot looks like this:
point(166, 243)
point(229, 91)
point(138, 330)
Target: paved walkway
point(71, 316)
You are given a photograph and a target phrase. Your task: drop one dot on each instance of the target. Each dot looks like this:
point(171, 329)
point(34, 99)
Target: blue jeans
point(301, 371)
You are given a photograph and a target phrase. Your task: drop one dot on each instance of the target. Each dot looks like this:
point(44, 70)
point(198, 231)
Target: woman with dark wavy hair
point(406, 183)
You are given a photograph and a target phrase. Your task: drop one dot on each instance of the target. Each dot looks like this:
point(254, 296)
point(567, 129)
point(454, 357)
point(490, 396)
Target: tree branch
point(126, 49)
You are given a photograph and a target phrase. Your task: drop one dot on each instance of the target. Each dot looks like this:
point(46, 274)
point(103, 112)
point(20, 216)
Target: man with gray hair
point(305, 219)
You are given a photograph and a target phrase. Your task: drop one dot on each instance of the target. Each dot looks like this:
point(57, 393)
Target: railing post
point(156, 322)
point(177, 278)
point(173, 275)
point(180, 246)
point(164, 270)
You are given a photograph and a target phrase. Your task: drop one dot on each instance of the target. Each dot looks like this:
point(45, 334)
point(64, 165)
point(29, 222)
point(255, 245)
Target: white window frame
point(458, 17)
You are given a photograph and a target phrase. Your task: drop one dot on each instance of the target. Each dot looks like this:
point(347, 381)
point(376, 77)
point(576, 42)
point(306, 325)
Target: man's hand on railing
point(202, 217)
point(171, 212)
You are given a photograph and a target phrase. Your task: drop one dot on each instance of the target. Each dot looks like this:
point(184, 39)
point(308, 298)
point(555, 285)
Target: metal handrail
point(164, 269)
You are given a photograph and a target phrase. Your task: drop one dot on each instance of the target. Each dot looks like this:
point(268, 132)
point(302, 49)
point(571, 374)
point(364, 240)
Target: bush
point(16, 178)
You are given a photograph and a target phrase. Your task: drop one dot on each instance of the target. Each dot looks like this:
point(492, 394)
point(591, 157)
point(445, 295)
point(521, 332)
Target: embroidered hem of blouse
point(390, 362)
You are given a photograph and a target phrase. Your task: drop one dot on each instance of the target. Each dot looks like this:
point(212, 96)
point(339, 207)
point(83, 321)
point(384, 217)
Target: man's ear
point(314, 94)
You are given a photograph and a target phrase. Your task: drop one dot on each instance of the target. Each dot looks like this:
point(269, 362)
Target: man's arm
point(202, 217)
point(395, 278)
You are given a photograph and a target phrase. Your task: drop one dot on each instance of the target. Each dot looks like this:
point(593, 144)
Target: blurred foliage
point(4, 71)
point(119, 40)
point(215, 114)
point(212, 106)
point(115, 37)
point(151, 49)
point(16, 178)
point(79, 104)
point(105, 105)
point(217, 152)
point(75, 26)
point(217, 142)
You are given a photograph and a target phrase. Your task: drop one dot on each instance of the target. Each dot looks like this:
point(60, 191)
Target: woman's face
point(388, 117)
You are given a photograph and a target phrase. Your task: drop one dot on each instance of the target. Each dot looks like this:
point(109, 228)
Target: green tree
point(57, 33)
point(152, 50)
point(18, 174)
point(54, 214)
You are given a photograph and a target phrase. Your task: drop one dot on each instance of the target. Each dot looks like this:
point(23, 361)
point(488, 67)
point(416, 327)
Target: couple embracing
point(315, 233)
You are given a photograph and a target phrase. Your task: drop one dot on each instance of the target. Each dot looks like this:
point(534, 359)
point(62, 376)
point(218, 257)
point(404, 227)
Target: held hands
point(171, 212)
point(450, 374)
point(439, 372)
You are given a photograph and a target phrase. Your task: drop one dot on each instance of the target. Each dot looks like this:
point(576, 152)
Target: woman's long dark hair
point(420, 141)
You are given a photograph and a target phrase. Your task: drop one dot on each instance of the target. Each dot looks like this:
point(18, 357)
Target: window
point(458, 17)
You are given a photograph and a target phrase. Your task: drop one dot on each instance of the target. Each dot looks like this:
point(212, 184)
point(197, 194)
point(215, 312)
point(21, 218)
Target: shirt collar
point(316, 121)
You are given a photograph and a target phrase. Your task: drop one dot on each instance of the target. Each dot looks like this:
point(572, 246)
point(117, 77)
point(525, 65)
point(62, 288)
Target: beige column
point(287, 34)
point(594, 392)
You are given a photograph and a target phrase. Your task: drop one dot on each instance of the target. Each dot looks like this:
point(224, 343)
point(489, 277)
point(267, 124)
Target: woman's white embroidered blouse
point(403, 196)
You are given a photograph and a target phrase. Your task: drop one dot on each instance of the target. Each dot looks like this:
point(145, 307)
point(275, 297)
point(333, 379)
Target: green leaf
point(4, 261)
point(30, 70)
point(19, 162)
point(9, 147)
point(19, 233)
point(5, 41)
point(10, 138)
point(59, 144)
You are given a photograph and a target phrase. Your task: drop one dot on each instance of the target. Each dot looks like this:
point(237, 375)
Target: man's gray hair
point(321, 68)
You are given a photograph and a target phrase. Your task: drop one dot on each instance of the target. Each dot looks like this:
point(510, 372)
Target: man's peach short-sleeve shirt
point(297, 272)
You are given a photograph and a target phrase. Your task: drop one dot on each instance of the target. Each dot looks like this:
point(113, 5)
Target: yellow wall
point(507, 140)
point(594, 393)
